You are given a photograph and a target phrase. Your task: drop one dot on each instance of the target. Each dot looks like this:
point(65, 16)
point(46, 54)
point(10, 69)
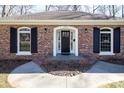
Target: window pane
point(71, 40)
point(105, 42)
point(24, 41)
point(108, 30)
point(24, 29)
point(59, 44)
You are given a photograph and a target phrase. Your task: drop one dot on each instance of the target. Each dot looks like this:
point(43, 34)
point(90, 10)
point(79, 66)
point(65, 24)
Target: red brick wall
point(45, 41)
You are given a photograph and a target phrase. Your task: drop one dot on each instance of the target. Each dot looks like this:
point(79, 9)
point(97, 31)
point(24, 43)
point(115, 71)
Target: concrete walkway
point(100, 73)
point(104, 67)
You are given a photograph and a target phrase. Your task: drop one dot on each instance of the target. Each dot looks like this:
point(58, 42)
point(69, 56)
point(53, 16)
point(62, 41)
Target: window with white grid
point(106, 41)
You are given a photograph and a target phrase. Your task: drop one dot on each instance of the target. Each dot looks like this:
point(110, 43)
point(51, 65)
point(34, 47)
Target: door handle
point(74, 40)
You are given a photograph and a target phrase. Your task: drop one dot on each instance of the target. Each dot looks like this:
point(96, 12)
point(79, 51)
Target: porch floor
point(60, 57)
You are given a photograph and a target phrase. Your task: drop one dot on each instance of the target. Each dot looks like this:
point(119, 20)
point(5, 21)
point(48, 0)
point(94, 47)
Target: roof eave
point(61, 22)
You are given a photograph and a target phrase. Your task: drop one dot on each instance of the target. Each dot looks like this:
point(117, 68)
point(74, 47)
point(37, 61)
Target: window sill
point(106, 53)
point(24, 53)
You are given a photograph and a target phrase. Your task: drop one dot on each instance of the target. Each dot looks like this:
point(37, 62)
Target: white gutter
point(61, 22)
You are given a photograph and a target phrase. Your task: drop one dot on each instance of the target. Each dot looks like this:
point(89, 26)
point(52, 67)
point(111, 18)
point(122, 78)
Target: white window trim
point(24, 53)
point(112, 37)
point(18, 40)
point(106, 53)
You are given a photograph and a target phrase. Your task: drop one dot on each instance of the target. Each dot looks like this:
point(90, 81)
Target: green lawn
point(119, 84)
point(3, 81)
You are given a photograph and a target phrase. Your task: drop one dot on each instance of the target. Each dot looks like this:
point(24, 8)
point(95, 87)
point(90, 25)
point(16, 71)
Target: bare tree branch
point(122, 11)
point(10, 10)
point(95, 8)
point(3, 10)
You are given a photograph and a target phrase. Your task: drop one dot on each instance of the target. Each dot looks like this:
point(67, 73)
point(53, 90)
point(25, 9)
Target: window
point(71, 40)
point(106, 41)
point(24, 41)
point(59, 41)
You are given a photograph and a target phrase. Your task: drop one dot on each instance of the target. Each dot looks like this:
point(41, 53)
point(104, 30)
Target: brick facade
point(45, 41)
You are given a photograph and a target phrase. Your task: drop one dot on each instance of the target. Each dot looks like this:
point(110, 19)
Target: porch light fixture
point(86, 30)
point(45, 29)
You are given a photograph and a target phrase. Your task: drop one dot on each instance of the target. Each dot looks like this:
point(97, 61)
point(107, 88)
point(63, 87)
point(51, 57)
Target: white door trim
point(55, 38)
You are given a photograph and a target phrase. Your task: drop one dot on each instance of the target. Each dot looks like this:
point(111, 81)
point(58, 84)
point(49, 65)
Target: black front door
point(65, 42)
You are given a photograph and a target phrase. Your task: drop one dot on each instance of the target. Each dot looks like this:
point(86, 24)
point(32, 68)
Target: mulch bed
point(58, 68)
point(65, 69)
point(6, 66)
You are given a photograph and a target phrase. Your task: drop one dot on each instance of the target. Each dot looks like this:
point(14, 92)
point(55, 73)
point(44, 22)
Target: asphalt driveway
point(35, 77)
